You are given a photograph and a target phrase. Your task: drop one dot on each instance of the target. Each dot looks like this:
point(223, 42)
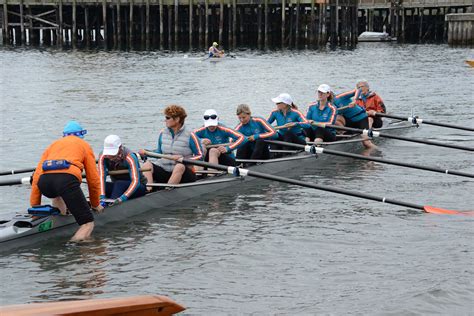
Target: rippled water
point(267, 248)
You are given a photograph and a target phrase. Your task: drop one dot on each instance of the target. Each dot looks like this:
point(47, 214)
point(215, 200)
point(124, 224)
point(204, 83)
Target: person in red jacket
point(58, 176)
point(372, 103)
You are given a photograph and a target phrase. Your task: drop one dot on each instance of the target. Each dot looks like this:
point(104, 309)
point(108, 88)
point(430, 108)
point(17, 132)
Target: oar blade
point(438, 210)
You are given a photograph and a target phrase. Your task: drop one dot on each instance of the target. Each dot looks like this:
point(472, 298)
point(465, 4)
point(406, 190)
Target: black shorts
point(362, 124)
point(378, 123)
point(323, 133)
point(224, 159)
point(68, 187)
point(160, 175)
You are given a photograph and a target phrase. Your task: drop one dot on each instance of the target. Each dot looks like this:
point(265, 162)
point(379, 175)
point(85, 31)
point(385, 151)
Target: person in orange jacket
point(372, 103)
point(58, 176)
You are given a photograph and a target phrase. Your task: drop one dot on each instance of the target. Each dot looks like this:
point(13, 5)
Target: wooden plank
point(162, 41)
point(176, 24)
point(130, 25)
point(190, 9)
point(22, 24)
point(104, 21)
point(147, 24)
point(74, 23)
point(86, 26)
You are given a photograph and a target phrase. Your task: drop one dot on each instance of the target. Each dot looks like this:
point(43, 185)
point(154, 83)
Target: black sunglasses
point(168, 117)
point(212, 117)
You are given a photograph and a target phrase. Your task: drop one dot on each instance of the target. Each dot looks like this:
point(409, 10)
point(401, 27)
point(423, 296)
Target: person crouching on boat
point(350, 114)
point(178, 141)
point(372, 103)
point(290, 121)
point(322, 111)
point(58, 176)
point(256, 129)
point(217, 136)
point(125, 186)
point(214, 52)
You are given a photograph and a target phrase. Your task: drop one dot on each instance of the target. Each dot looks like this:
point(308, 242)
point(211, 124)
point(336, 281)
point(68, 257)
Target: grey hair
point(363, 81)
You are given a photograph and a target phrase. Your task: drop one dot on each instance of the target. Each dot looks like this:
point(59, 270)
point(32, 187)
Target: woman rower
point(218, 136)
point(351, 114)
point(290, 121)
point(58, 176)
point(322, 111)
point(123, 187)
point(178, 141)
point(257, 130)
point(372, 103)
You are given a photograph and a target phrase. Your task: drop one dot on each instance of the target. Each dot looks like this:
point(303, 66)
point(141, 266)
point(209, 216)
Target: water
point(268, 248)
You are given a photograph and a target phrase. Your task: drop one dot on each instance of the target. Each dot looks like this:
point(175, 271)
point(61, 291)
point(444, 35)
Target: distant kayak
point(470, 62)
point(136, 305)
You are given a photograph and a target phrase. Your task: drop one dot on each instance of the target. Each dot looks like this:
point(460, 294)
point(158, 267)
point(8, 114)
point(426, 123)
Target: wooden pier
point(461, 29)
point(195, 24)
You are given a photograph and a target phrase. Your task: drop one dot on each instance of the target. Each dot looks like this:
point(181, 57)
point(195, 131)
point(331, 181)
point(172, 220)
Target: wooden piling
point(259, 27)
point(266, 23)
point(200, 21)
point(234, 24)
point(312, 25)
point(5, 30)
point(61, 23)
point(32, 37)
point(161, 25)
point(147, 24)
point(283, 22)
point(291, 17)
point(191, 25)
point(130, 25)
point(206, 26)
point(22, 24)
point(176, 24)
point(74, 24)
point(119, 25)
point(104, 22)
point(221, 21)
point(170, 25)
point(86, 26)
point(229, 27)
point(297, 24)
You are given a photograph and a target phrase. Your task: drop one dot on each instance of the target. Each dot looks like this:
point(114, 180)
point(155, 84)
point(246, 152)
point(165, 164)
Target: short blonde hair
point(243, 108)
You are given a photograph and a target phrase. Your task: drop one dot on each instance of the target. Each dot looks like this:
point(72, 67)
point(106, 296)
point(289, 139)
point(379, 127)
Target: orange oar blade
point(437, 210)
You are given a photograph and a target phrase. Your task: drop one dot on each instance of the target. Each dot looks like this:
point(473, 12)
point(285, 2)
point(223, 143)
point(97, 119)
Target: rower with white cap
point(123, 187)
point(322, 111)
point(290, 121)
point(215, 133)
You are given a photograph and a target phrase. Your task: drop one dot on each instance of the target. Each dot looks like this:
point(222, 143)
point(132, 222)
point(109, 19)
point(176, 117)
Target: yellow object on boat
point(470, 62)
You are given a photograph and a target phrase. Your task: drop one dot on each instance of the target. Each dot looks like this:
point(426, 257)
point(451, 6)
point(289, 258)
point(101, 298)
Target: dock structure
point(461, 29)
point(195, 24)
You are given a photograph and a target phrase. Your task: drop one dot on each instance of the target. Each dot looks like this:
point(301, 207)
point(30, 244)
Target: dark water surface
point(268, 248)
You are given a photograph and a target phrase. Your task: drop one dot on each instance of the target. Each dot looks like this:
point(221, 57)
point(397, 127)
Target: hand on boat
point(98, 209)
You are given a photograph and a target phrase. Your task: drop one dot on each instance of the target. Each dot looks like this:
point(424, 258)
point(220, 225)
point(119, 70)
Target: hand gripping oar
point(245, 172)
point(27, 180)
point(371, 133)
point(320, 150)
point(419, 121)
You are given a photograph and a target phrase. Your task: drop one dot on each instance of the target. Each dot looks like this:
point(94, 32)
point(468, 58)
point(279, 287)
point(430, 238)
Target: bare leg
point(371, 121)
point(83, 232)
point(177, 174)
point(340, 120)
point(58, 202)
point(367, 143)
point(214, 155)
point(148, 174)
point(318, 140)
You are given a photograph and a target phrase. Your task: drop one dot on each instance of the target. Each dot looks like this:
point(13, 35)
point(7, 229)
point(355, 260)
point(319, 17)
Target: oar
point(26, 180)
point(371, 133)
point(419, 121)
point(321, 150)
point(17, 171)
point(217, 145)
point(245, 172)
point(287, 125)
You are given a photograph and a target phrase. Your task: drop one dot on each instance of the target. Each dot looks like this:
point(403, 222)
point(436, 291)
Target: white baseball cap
point(210, 118)
point(324, 88)
point(112, 145)
point(283, 98)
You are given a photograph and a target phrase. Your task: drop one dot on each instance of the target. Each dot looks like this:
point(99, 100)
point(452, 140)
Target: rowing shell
point(23, 229)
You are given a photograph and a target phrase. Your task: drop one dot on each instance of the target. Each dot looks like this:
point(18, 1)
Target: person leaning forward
point(58, 176)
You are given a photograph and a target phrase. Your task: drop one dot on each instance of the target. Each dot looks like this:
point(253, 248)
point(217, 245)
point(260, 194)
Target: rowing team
point(58, 175)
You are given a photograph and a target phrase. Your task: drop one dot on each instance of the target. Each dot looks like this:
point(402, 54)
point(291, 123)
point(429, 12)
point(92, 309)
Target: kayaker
point(256, 129)
point(58, 176)
point(372, 103)
point(290, 121)
point(214, 133)
point(178, 141)
point(214, 52)
point(353, 116)
point(122, 187)
point(322, 111)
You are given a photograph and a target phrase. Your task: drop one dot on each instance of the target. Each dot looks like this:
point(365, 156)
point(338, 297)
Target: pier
point(194, 24)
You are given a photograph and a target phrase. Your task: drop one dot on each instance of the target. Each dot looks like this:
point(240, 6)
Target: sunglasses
point(360, 87)
point(168, 117)
point(212, 117)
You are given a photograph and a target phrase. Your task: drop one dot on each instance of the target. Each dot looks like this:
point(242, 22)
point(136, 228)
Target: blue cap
point(74, 128)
